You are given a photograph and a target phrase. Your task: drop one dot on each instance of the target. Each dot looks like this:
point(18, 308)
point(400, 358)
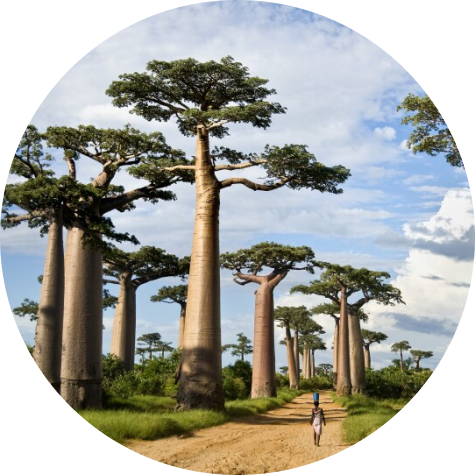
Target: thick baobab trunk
point(200, 383)
point(81, 365)
point(401, 361)
point(367, 356)
point(123, 330)
point(357, 368)
point(293, 380)
point(312, 364)
point(263, 365)
point(343, 386)
point(49, 328)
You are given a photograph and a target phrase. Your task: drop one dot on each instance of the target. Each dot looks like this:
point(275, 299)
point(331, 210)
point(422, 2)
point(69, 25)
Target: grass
point(366, 415)
point(151, 417)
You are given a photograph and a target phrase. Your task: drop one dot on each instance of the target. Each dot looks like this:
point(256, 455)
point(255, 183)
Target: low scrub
point(367, 414)
point(393, 383)
point(151, 417)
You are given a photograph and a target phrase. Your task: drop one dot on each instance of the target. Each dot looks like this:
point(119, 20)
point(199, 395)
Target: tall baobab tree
point(370, 337)
point(130, 270)
point(205, 98)
point(41, 199)
point(287, 316)
point(400, 346)
point(174, 294)
point(247, 264)
point(143, 156)
point(309, 344)
point(333, 310)
point(338, 283)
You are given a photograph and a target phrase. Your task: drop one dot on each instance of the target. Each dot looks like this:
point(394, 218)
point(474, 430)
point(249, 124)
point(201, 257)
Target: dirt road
point(278, 440)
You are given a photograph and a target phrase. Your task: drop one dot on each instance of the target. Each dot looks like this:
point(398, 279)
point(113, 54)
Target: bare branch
point(239, 166)
point(252, 185)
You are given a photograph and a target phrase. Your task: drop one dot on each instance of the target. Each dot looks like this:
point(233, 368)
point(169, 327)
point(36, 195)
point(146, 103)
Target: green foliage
point(390, 382)
point(335, 277)
point(156, 377)
point(29, 160)
point(431, 134)
point(322, 381)
point(241, 349)
point(121, 425)
point(30, 348)
point(366, 415)
point(300, 169)
point(237, 380)
point(28, 308)
point(282, 380)
point(271, 255)
point(211, 93)
point(169, 294)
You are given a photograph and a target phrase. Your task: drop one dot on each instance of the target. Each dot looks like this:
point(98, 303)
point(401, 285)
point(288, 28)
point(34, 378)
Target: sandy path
point(278, 440)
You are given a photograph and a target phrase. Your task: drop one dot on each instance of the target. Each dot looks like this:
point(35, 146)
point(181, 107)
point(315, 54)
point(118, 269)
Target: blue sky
point(341, 92)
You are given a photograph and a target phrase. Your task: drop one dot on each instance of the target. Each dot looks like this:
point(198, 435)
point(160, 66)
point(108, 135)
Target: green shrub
point(322, 381)
point(391, 382)
point(237, 380)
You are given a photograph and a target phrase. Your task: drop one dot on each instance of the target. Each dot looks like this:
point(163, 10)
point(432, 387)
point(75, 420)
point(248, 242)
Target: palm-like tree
point(370, 337)
point(418, 355)
point(400, 346)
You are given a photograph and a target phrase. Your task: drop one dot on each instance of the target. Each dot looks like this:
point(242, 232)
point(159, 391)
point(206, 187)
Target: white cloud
point(385, 133)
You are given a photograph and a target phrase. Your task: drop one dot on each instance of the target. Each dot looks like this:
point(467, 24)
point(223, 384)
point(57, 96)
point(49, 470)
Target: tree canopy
point(431, 134)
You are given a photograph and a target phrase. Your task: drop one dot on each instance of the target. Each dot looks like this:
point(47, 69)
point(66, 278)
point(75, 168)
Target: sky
point(410, 215)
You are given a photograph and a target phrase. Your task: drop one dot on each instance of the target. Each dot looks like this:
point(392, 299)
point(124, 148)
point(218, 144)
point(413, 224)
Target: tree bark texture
point(181, 325)
point(297, 354)
point(49, 328)
point(200, 383)
point(367, 357)
point(293, 380)
point(336, 337)
point(81, 365)
point(125, 318)
point(263, 365)
point(343, 379)
point(357, 367)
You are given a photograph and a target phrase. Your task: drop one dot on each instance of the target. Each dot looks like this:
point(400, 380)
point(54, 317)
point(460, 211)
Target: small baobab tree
point(130, 270)
point(247, 264)
point(418, 355)
point(242, 348)
point(400, 346)
point(370, 337)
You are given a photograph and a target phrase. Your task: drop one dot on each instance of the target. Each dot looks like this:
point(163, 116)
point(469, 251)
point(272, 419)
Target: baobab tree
point(333, 310)
point(205, 98)
point(130, 270)
point(309, 343)
point(174, 294)
point(286, 316)
point(400, 346)
point(370, 337)
point(247, 264)
point(418, 355)
point(41, 199)
point(338, 283)
point(143, 156)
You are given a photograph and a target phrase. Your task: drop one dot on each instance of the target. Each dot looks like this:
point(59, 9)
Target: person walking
point(316, 421)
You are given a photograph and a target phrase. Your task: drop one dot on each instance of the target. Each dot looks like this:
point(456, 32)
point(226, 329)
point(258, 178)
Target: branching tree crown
point(431, 134)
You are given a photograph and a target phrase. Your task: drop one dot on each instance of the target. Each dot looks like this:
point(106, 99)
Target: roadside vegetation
point(141, 404)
